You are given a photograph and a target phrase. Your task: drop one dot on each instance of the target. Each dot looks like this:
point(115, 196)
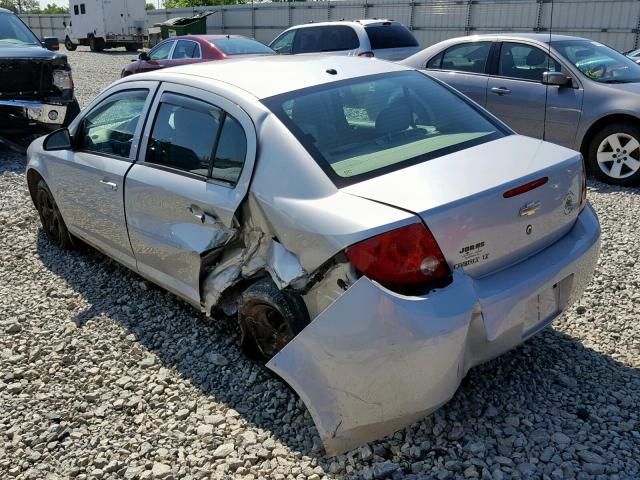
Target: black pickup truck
point(36, 86)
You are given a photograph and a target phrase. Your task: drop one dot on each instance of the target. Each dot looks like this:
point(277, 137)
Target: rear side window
point(230, 152)
point(467, 57)
point(392, 35)
point(364, 127)
point(184, 134)
point(186, 49)
point(333, 38)
point(110, 127)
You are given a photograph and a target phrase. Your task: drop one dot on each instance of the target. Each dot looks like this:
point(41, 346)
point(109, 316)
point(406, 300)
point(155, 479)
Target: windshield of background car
point(14, 32)
point(364, 127)
point(599, 62)
point(391, 35)
point(240, 46)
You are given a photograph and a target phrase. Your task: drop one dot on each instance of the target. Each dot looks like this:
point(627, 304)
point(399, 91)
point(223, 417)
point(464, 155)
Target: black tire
point(73, 109)
point(131, 47)
point(96, 44)
point(617, 165)
point(51, 218)
point(69, 45)
point(269, 318)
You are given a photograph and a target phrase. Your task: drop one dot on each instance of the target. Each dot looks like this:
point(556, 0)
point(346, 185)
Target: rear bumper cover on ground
point(375, 361)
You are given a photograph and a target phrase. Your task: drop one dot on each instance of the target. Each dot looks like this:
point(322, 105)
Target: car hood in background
point(29, 51)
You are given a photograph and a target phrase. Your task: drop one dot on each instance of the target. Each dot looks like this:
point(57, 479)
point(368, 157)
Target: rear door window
point(186, 49)
point(325, 39)
point(392, 35)
point(184, 134)
point(466, 57)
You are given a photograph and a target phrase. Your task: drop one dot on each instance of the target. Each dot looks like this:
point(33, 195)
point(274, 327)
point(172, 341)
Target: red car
point(193, 49)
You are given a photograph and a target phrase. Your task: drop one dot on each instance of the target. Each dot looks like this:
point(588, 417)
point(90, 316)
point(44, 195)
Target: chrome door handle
point(111, 185)
point(201, 215)
point(501, 90)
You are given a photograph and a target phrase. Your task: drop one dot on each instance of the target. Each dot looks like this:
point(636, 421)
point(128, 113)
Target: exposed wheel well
point(33, 177)
point(600, 124)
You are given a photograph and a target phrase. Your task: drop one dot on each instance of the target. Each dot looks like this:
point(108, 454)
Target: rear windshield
point(14, 32)
point(240, 46)
point(393, 35)
point(367, 126)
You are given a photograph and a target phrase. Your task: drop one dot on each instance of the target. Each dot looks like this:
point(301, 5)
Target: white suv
point(384, 39)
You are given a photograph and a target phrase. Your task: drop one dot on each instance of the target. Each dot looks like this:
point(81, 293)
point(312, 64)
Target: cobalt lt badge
point(529, 209)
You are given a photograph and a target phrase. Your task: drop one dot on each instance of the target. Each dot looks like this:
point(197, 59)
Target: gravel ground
point(103, 375)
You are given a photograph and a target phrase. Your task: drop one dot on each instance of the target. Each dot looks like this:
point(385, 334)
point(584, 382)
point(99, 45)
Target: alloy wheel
point(49, 215)
point(618, 155)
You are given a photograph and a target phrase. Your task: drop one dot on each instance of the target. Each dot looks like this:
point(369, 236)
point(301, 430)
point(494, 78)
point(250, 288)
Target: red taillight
point(525, 187)
point(366, 54)
point(404, 256)
point(583, 193)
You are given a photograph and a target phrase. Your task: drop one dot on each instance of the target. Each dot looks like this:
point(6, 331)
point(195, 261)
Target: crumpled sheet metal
point(364, 376)
point(259, 253)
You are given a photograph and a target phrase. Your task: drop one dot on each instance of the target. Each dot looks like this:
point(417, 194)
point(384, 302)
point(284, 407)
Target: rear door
point(464, 67)
point(181, 200)
point(90, 179)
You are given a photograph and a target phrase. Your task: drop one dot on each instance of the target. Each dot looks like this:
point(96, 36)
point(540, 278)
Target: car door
point(90, 178)
point(464, 66)
point(181, 199)
point(159, 57)
point(517, 95)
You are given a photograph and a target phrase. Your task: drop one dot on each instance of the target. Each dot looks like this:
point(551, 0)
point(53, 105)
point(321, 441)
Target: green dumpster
point(196, 25)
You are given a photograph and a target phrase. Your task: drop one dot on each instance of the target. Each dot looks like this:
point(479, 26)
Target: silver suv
point(384, 39)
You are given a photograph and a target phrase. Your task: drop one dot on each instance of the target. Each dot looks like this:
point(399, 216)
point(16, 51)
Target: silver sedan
point(571, 91)
point(374, 233)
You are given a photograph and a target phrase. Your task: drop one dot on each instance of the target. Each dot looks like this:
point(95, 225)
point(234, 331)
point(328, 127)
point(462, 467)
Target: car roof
point(538, 37)
point(218, 36)
point(266, 76)
point(364, 23)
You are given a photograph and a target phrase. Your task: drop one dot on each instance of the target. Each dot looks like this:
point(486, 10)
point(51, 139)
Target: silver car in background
point(571, 91)
point(386, 39)
point(374, 233)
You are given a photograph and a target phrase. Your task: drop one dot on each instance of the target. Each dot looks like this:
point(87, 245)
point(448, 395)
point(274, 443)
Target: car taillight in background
point(405, 256)
point(366, 54)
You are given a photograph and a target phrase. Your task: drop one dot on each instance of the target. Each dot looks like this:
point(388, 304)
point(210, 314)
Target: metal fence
point(613, 22)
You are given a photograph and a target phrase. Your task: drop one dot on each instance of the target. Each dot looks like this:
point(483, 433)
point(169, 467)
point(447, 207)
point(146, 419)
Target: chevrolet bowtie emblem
point(529, 209)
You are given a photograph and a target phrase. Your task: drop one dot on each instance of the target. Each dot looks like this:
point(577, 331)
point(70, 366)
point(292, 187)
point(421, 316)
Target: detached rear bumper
point(33, 111)
point(375, 361)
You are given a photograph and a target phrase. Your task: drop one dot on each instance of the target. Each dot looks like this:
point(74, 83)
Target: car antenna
point(546, 90)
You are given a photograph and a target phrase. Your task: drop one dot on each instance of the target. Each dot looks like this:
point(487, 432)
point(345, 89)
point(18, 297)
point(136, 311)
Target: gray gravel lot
point(103, 375)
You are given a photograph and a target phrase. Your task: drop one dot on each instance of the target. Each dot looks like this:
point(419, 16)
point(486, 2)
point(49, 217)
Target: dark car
point(193, 49)
point(36, 86)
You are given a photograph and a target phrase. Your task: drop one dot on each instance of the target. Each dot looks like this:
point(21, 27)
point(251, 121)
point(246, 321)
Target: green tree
point(150, 6)
point(52, 8)
point(20, 6)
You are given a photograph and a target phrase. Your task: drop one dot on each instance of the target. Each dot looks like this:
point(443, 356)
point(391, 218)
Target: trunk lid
point(460, 198)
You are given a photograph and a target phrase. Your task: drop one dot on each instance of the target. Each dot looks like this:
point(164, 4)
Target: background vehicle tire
point(69, 45)
point(51, 218)
point(96, 44)
point(73, 109)
point(269, 318)
point(131, 47)
point(614, 154)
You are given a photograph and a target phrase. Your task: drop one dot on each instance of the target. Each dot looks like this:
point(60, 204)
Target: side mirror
point(51, 43)
point(556, 78)
point(144, 56)
point(57, 140)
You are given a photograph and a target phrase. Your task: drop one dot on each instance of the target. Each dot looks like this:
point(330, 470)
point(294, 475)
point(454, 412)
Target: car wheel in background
point(96, 44)
point(131, 47)
point(51, 218)
point(614, 154)
point(269, 318)
point(69, 45)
